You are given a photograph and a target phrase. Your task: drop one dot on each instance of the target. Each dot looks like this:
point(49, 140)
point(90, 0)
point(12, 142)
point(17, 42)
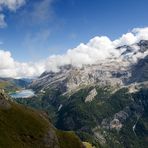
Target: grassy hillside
point(68, 139)
point(8, 86)
point(22, 127)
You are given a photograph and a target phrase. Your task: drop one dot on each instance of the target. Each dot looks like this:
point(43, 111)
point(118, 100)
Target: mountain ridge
point(113, 70)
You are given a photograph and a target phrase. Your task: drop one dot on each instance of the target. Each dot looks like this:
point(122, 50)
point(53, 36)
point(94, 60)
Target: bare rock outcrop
point(91, 95)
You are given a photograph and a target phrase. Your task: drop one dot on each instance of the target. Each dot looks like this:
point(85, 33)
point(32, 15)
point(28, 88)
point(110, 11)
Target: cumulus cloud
point(132, 37)
point(11, 5)
point(11, 68)
point(126, 39)
point(6, 63)
point(140, 33)
point(97, 49)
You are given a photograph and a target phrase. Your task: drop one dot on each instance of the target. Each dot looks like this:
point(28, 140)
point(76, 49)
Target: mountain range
point(104, 103)
point(11, 84)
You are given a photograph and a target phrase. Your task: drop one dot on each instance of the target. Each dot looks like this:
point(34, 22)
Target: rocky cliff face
point(113, 72)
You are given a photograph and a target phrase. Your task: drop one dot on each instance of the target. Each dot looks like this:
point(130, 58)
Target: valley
point(105, 103)
point(73, 74)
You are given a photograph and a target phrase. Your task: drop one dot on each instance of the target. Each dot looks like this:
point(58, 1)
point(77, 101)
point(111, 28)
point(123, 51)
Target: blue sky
point(40, 28)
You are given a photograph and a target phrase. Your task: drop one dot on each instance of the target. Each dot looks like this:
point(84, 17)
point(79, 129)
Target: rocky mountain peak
point(113, 72)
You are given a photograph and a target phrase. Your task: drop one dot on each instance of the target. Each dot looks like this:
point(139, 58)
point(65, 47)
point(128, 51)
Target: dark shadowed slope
point(22, 127)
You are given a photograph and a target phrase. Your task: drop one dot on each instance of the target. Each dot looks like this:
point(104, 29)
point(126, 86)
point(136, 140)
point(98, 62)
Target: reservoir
point(27, 93)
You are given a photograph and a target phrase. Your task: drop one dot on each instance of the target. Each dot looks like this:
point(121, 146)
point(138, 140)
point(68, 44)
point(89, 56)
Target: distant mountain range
point(10, 84)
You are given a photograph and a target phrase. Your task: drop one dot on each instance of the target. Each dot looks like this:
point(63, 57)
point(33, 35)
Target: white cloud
point(126, 39)
point(6, 61)
point(141, 33)
point(11, 68)
point(130, 38)
point(11, 5)
point(98, 48)
point(7, 65)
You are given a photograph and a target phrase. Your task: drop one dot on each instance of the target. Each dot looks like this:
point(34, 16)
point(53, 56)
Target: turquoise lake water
point(27, 93)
